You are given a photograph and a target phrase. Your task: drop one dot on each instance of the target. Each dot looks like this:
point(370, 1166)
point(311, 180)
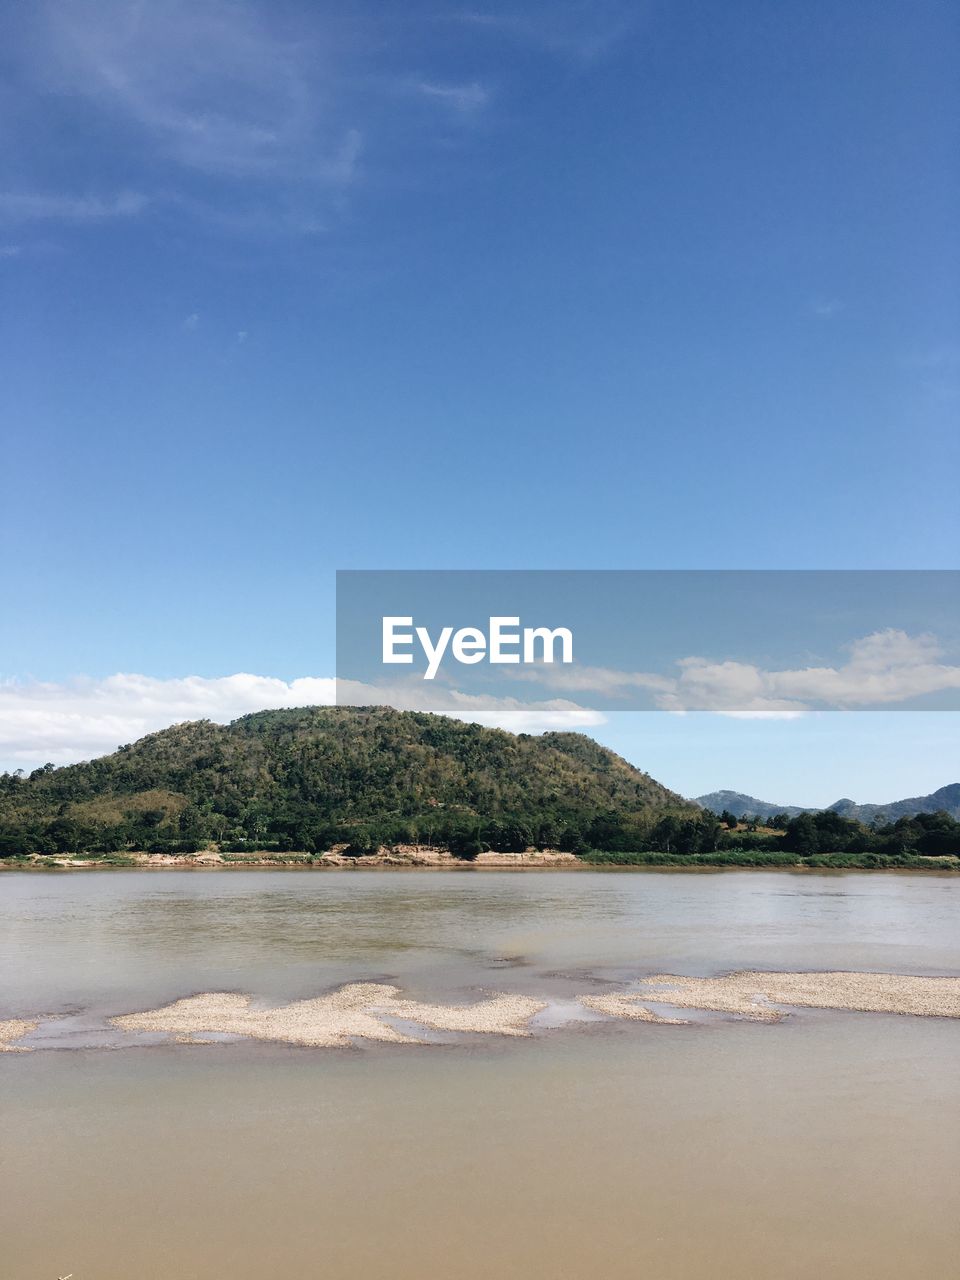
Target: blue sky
point(286, 288)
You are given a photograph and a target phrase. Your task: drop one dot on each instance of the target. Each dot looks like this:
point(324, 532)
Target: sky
point(287, 288)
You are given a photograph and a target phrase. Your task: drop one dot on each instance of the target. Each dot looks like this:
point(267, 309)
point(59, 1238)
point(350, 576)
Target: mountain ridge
point(741, 805)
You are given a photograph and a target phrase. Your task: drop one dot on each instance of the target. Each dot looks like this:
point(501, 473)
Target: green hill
point(314, 777)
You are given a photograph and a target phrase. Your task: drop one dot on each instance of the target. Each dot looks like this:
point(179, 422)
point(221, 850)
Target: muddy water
point(827, 1145)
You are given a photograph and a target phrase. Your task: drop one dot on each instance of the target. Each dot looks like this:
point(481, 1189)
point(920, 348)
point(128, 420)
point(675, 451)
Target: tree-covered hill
point(317, 776)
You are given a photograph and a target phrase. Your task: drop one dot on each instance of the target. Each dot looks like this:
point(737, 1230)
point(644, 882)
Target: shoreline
point(407, 859)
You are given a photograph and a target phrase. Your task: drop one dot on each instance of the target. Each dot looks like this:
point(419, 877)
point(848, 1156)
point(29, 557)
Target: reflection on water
point(826, 1146)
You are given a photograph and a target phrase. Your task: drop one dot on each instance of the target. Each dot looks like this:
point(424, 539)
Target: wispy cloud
point(10, 250)
point(213, 85)
point(568, 28)
point(192, 321)
point(229, 106)
point(30, 206)
point(883, 669)
point(465, 98)
point(254, 119)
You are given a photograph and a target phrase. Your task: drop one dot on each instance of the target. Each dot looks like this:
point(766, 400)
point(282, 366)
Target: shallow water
point(824, 1146)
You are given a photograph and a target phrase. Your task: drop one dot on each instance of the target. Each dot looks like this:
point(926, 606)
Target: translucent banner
point(746, 642)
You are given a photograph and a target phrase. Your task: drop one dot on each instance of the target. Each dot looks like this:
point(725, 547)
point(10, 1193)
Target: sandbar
point(755, 995)
point(355, 1011)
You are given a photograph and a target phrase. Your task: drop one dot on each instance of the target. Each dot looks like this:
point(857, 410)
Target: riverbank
point(409, 857)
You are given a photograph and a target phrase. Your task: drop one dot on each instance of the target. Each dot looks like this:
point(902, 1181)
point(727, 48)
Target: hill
point(314, 777)
point(945, 800)
point(743, 806)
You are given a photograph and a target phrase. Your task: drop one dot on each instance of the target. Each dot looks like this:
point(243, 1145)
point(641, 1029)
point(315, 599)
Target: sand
point(15, 1029)
point(371, 1011)
point(626, 1006)
point(330, 1020)
point(356, 1011)
point(756, 995)
point(500, 1015)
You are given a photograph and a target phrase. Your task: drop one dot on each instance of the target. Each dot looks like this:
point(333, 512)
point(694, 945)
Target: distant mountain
point(740, 805)
point(947, 798)
point(315, 776)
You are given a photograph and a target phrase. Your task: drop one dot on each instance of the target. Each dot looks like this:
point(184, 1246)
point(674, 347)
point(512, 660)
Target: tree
point(802, 836)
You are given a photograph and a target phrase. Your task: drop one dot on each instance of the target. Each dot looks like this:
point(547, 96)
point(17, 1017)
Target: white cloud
point(192, 321)
point(84, 718)
point(10, 250)
point(883, 669)
point(29, 206)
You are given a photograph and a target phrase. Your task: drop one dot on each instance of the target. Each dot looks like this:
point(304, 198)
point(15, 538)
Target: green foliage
point(764, 858)
point(828, 832)
point(726, 858)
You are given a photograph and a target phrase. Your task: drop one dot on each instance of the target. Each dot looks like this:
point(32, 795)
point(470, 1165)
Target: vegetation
point(296, 783)
point(770, 858)
point(824, 839)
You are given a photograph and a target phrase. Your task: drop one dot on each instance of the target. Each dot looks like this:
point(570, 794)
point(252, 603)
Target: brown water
point(824, 1146)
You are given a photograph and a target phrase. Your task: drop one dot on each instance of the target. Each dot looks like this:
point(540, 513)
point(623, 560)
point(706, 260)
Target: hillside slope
point(311, 777)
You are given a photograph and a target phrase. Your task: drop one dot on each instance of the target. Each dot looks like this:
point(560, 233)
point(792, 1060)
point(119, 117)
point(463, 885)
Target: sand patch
point(752, 995)
point(14, 1029)
point(356, 1011)
point(500, 1015)
point(627, 1006)
point(326, 1021)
